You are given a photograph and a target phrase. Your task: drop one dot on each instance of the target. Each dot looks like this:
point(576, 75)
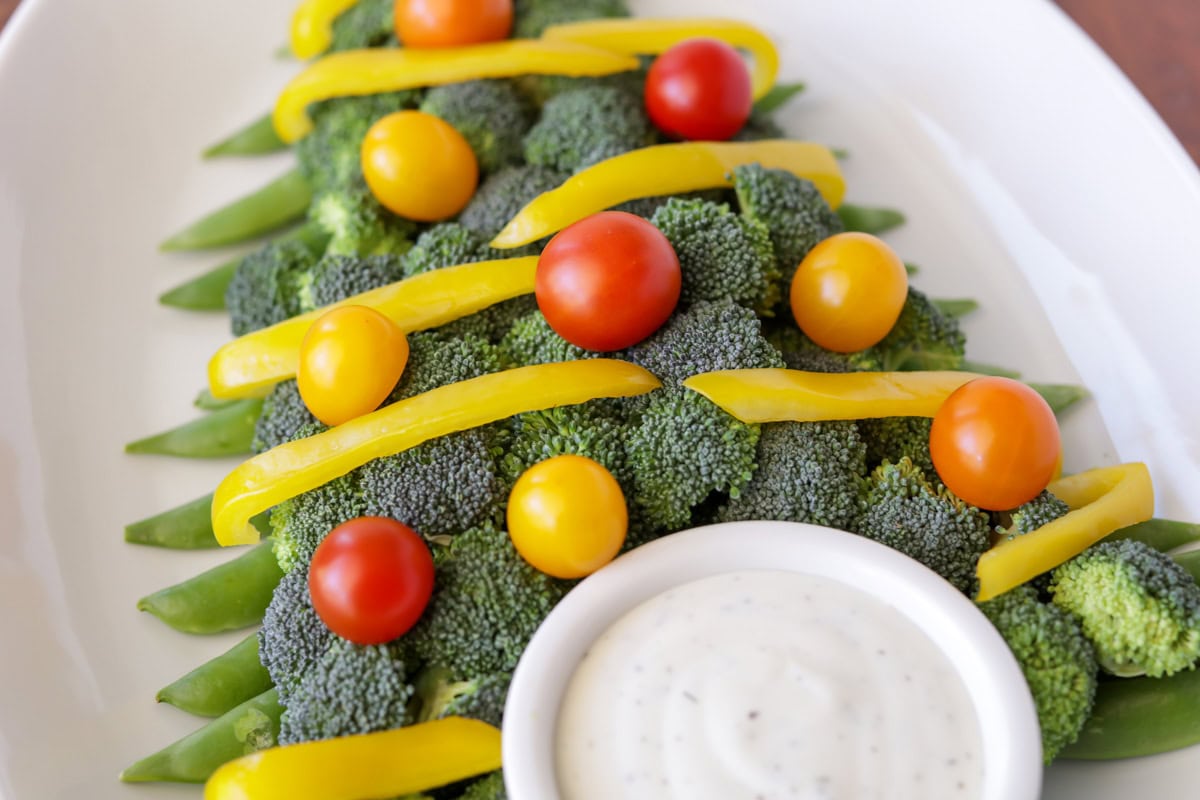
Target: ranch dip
point(763, 685)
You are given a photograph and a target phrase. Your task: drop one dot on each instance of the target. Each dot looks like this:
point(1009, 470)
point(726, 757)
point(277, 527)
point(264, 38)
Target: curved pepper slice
point(312, 26)
point(376, 70)
point(666, 169)
point(383, 764)
point(778, 395)
point(1102, 500)
point(296, 467)
point(641, 36)
point(251, 364)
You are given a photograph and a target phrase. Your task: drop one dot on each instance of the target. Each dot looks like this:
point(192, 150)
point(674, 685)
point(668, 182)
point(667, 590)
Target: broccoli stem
point(252, 726)
point(1161, 534)
point(282, 201)
point(863, 219)
point(221, 683)
point(255, 139)
point(226, 432)
point(185, 527)
point(227, 597)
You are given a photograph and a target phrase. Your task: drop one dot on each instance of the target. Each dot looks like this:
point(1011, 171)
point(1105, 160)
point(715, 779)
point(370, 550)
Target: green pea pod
point(206, 402)
point(248, 728)
point(1161, 534)
point(911, 269)
point(956, 308)
point(1189, 561)
point(227, 432)
point(185, 527)
point(256, 139)
point(227, 597)
point(1060, 396)
point(1140, 717)
point(279, 203)
point(990, 369)
point(218, 685)
point(777, 96)
point(863, 219)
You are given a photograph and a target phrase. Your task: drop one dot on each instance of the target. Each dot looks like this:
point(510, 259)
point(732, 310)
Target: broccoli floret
point(792, 210)
point(531, 17)
point(531, 341)
point(268, 286)
point(800, 352)
point(807, 472)
point(351, 689)
point(358, 225)
point(339, 277)
point(476, 698)
point(283, 415)
point(583, 126)
point(300, 523)
point(1058, 663)
point(1041, 510)
point(487, 788)
point(594, 429)
point(330, 156)
point(503, 194)
point(293, 638)
point(903, 510)
point(922, 338)
point(721, 254)
point(437, 488)
point(367, 23)
point(491, 115)
point(1138, 607)
point(435, 359)
point(486, 605)
point(894, 438)
point(494, 322)
point(446, 245)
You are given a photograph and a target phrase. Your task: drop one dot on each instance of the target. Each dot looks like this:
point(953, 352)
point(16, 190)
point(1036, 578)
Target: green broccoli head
point(351, 689)
point(583, 126)
point(799, 351)
point(337, 278)
point(479, 698)
point(292, 638)
point(540, 88)
point(367, 23)
point(283, 416)
point(1138, 607)
point(594, 429)
point(807, 472)
point(923, 338)
point(531, 17)
point(446, 244)
point(435, 360)
point(269, 286)
point(531, 341)
point(486, 605)
point(792, 210)
point(503, 194)
point(894, 438)
point(300, 523)
point(490, 787)
point(1058, 663)
point(1027, 518)
point(490, 114)
point(721, 254)
point(330, 156)
point(358, 225)
point(905, 511)
point(493, 323)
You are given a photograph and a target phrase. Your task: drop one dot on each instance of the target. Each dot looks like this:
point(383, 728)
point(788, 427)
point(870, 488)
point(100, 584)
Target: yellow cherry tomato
point(848, 292)
point(419, 166)
point(567, 516)
point(350, 360)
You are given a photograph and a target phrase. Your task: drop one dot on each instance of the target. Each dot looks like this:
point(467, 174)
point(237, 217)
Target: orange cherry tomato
point(419, 166)
point(848, 292)
point(995, 443)
point(350, 360)
point(450, 23)
point(567, 516)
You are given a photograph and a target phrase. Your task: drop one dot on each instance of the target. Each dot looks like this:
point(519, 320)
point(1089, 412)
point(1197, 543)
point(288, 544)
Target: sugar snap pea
point(864, 219)
point(226, 432)
point(956, 307)
point(1060, 396)
point(252, 726)
point(227, 597)
point(279, 203)
point(185, 527)
point(221, 683)
point(1140, 717)
point(255, 139)
point(1161, 534)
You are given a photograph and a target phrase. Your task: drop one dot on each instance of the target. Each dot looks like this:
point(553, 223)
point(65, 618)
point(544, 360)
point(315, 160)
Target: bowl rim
point(994, 681)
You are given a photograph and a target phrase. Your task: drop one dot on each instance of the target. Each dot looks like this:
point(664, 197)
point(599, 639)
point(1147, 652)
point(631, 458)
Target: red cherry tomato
point(450, 23)
point(995, 443)
point(699, 89)
point(370, 579)
point(608, 281)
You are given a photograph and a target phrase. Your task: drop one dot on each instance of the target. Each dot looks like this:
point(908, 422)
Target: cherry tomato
point(608, 281)
point(848, 292)
point(419, 166)
point(449, 23)
point(350, 360)
point(995, 443)
point(567, 516)
point(699, 89)
point(370, 579)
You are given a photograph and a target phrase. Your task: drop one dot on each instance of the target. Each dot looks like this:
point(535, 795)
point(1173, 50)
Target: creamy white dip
point(762, 685)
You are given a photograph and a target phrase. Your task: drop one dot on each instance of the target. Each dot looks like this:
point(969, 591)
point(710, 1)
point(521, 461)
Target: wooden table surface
point(1156, 43)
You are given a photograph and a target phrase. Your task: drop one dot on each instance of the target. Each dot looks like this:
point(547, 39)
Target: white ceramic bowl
point(1003, 706)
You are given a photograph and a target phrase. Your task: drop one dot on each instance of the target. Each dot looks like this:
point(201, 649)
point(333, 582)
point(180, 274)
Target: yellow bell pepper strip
point(1101, 500)
point(300, 466)
point(312, 26)
point(641, 36)
point(376, 70)
point(666, 169)
point(777, 395)
point(251, 364)
point(383, 764)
